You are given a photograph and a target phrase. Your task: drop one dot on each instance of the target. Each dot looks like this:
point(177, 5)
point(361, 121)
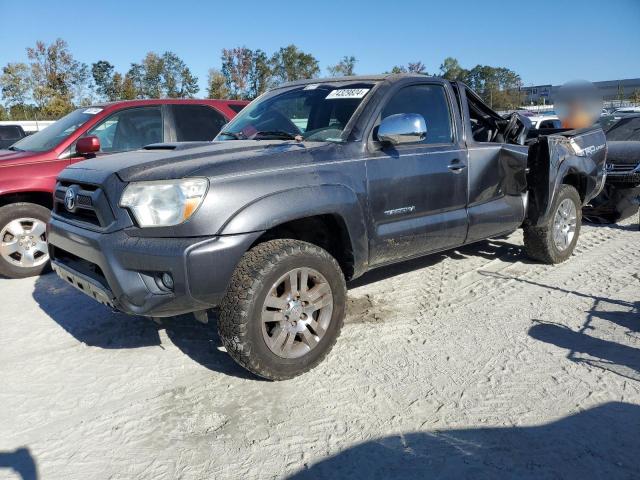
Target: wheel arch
point(42, 198)
point(578, 180)
point(310, 214)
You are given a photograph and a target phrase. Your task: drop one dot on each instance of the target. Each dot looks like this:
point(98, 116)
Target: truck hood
point(162, 162)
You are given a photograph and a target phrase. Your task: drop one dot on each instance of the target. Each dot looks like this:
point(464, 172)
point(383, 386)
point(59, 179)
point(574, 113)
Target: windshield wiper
point(278, 134)
point(236, 135)
point(15, 149)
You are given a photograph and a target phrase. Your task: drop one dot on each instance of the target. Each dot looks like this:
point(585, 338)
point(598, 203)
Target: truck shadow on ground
point(97, 326)
point(598, 443)
point(20, 462)
point(587, 348)
point(629, 227)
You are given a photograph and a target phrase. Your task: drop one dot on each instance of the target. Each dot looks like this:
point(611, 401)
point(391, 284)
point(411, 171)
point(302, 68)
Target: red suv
point(28, 169)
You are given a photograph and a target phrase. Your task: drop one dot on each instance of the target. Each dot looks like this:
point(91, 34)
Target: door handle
point(456, 166)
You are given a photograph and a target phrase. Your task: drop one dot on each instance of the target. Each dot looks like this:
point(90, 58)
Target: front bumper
point(124, 272)
point(618, 174)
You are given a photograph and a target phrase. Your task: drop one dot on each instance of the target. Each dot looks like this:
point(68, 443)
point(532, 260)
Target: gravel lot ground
point(470, 364)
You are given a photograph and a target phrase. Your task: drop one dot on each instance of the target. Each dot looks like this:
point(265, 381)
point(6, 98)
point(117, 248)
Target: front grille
point(84, 201)
point(90, 206)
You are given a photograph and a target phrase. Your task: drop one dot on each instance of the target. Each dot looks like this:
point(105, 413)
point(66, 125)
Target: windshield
point(625, 130)
point(55, 133)
point(315, 112)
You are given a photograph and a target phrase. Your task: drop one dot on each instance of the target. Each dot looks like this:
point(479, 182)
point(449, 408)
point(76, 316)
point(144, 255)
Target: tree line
point(52, 82)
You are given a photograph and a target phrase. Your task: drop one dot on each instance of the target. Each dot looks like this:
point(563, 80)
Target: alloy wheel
point(564, 224)
point(297, 312)
point(23, 242)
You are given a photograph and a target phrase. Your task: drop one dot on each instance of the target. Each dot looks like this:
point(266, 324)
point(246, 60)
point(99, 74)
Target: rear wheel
point(555, 241)
point(23, 240)
point(284, 308)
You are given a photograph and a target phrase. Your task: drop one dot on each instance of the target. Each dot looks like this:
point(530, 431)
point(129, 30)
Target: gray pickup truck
point(311, 185)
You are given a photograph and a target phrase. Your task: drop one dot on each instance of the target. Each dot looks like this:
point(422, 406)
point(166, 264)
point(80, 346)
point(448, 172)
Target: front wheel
point(555, 241)
point(23, 241)
point(284, 308)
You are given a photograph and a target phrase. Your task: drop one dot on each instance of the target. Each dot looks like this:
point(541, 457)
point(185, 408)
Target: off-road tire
point(21, 210)
point(538, 241)
point(239, 322)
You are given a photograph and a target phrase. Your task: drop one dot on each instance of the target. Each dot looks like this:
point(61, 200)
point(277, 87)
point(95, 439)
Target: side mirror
point(402, 128)
point(88, 145)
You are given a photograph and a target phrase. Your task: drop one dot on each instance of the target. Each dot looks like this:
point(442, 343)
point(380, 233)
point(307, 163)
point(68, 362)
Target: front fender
point(284, 206)
point(27, 179)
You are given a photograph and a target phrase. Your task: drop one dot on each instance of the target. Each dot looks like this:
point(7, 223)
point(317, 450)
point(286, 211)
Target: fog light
point(167, 280)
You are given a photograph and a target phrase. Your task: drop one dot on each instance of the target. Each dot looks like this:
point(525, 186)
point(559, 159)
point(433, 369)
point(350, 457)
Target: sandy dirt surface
point(471, 364)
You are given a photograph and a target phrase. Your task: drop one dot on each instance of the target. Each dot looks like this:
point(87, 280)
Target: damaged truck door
point(497, 170)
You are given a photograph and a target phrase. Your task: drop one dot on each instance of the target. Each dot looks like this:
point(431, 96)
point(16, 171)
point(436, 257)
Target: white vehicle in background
point(626, 110)
point(541, 122)
point(29, 126)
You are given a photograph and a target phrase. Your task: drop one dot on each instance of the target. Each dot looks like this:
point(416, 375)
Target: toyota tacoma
point(311, 185)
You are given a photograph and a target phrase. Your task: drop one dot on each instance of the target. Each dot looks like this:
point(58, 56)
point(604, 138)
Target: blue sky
point(544, 41)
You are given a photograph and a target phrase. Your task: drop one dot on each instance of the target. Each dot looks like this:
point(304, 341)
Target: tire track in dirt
point(474, 277)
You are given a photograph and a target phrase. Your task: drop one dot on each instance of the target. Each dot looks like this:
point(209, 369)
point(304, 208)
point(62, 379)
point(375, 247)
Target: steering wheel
point(279, 118)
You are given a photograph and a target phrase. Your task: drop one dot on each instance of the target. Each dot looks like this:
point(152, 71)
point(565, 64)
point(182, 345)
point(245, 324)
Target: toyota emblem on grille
point(70, 199)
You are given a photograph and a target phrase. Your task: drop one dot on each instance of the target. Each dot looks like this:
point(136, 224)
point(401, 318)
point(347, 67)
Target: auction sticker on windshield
point(347, 93)
point(92, 110)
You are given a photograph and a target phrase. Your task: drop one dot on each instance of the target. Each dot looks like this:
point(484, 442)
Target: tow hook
point(201, 316)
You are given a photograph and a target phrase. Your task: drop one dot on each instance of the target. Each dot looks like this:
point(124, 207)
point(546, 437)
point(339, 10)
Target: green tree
point(135, 81)
point(15, 84)
point(396, 69)
point(53, 73)
point(236, 67)
point(115, 90)
point(289, 64)
point(635, 97)
point(177, 79)
point(128, 90)
point(24, 111)
point(450, 69)
point(498, 86)
point(81, 86)
point(344, 67)
point(152, 68)
point(247, 73)
point(217, 85)
point(260, 74)
point(411, 67)
point(417, 67)
point(103, 76)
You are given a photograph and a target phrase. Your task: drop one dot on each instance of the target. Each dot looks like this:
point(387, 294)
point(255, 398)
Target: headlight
point(164, 203)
